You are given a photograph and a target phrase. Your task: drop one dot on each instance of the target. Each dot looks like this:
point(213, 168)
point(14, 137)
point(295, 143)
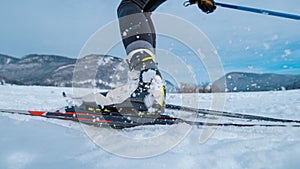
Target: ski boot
point(148, 99)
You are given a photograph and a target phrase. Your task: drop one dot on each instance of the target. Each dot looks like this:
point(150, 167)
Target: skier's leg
point(142, 28)
point(152, 28)
point(136, 29)
point(138, 37)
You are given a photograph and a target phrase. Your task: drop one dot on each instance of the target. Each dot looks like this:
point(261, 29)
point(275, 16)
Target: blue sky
point(245, 41)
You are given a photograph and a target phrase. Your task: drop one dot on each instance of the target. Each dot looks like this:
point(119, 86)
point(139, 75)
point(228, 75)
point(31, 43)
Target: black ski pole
point(260, 11)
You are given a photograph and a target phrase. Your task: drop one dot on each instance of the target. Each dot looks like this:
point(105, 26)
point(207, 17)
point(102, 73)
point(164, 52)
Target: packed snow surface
point(28, 142)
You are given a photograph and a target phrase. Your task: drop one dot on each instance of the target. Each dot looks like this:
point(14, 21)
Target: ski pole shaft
point(260, 11)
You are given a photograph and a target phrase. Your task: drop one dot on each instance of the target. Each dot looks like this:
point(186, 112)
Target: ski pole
point(260, 11)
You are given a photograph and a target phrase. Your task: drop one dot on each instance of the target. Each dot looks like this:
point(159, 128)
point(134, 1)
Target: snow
point(275, 37)
point(266, 46)
point(32, 142)
point(148, 75)
point(287, 52)
point(65, 67)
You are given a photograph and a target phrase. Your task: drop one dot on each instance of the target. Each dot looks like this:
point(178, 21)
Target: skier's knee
point(127, 8)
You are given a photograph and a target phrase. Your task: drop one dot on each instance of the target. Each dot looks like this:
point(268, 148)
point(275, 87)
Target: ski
point(228, 114)
point(214, 113)
point(111, 118)
point(220, 124)
point(104, 119)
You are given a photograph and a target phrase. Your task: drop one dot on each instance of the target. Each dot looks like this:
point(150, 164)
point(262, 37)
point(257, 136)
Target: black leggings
point(139, 26)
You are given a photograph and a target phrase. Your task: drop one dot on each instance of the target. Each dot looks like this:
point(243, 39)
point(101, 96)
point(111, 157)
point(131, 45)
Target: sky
point(244, 41)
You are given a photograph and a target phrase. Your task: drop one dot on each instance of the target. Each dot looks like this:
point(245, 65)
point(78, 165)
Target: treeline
point(193, 88)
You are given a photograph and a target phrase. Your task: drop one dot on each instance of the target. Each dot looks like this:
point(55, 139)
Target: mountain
point(52, 70)
point(106, 72)
point(242, 82)
point(4, 59)
point(101, 71)
point(33, 69)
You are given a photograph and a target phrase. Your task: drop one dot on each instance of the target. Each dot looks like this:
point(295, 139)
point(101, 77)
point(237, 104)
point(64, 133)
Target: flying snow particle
point(266, 46)
point(215, 52)
point(275, 37)
point(287, 52)
point(125, 33)
point(148, 75)
point(248, 29)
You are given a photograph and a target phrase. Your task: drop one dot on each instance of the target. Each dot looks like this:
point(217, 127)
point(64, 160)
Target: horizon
point(295, 73)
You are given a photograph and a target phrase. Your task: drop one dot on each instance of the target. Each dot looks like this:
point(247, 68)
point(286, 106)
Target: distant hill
point(52, 70)
point(101, 71)
point(106, 72)
point(243, 82)
point(4, 59)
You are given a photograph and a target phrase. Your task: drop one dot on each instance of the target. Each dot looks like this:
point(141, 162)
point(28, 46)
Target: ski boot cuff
point(141, 59)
